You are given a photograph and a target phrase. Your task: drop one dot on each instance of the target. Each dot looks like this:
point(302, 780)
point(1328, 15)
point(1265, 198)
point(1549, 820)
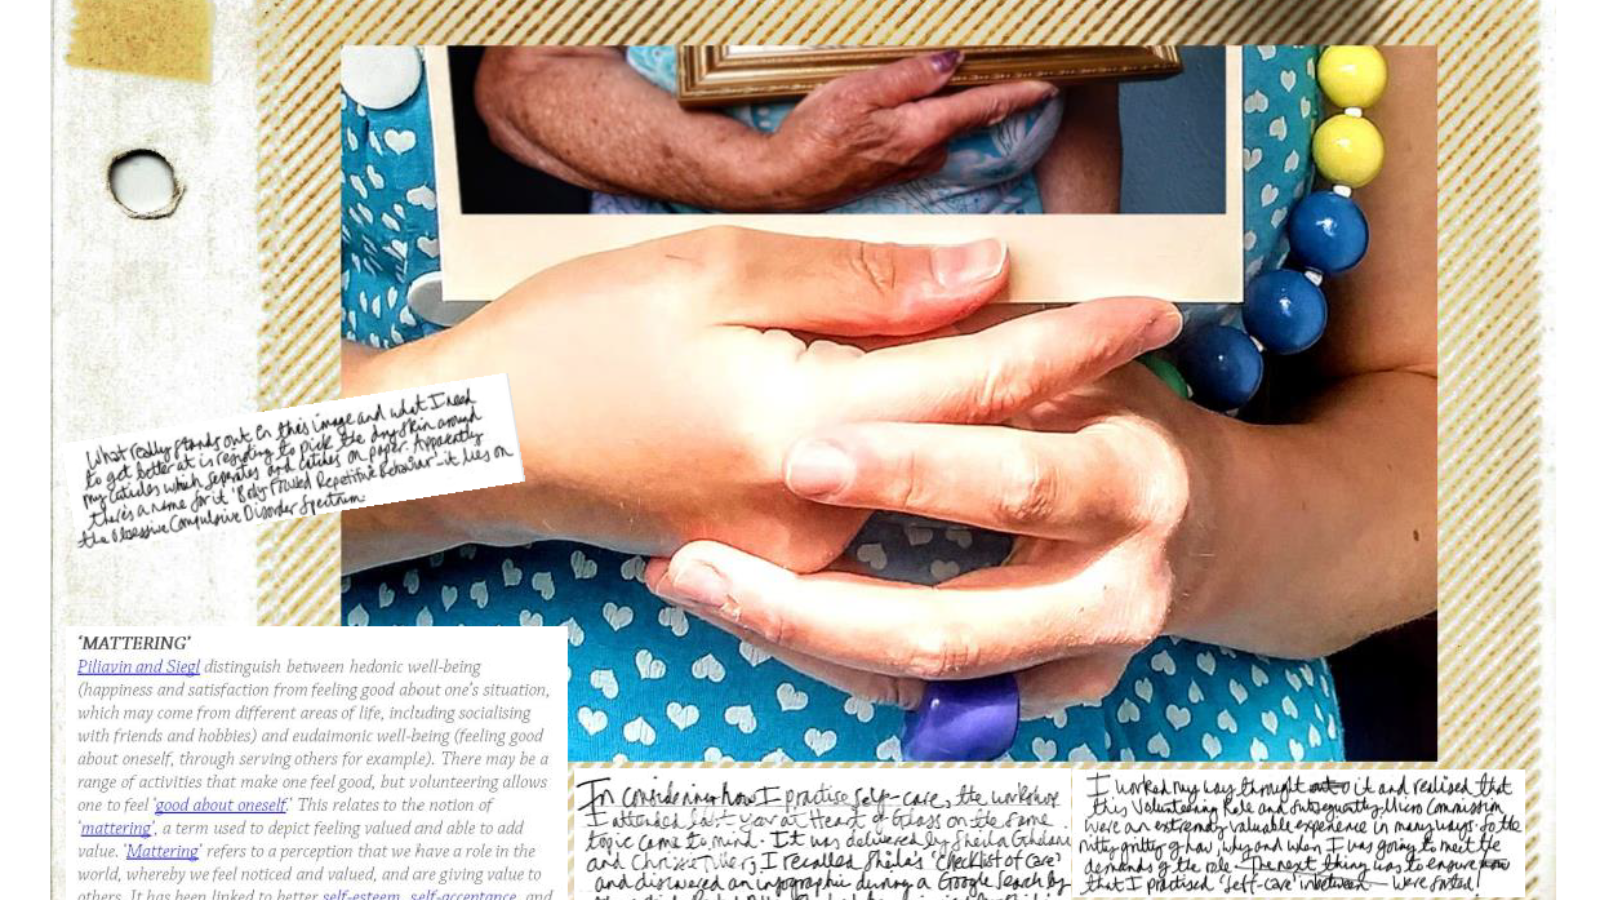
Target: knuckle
point(1028, 490)
point(1105, 346)
point(850, 89)
point(1144, 621)
point(716, 254)
point(939, 652)
point(775, 627)
point(905, 484)
point(1168, 504)
point(919, 134)
point(838, 121)
point(722, 240)
point(873, 265)
point(991, 112)
point(1158, 499)
point(1004, 389)
point(894, 691)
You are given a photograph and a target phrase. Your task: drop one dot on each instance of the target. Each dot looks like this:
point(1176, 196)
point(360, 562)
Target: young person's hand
point(658, 388)
point(1114, 525)
point(1137, 515)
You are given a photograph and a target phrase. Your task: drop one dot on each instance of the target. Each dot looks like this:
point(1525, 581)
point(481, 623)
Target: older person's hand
point(878, 127)
point(657, 388)
point(1111, 513)
point(583, 115)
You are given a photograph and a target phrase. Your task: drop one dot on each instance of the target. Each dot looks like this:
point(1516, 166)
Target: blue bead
point(1328, 232)
point(1285, 311)
point(1222, 365)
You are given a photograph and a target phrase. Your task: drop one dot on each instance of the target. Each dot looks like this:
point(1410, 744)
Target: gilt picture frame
point(717, 75)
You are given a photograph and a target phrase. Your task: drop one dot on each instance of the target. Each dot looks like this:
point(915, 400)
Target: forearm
point(1327, 528)
point(1082, 170)
point(377, 535)
point(1322, 532)
point(583, 115)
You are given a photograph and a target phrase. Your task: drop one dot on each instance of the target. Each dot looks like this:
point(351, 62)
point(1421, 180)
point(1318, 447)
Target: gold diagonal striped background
point(1489, 414)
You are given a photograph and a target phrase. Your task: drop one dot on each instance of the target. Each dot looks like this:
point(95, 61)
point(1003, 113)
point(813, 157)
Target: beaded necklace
point(1285, 311)
point(1221, 366)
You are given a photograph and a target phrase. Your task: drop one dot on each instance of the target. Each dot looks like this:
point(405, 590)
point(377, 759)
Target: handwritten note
point(301, 461)
point(309, 763)
point(1026, 833)
point(1281, 833)
point(720, 834)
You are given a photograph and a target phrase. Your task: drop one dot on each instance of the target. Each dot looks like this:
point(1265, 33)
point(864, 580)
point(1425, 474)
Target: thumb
point(849, 288)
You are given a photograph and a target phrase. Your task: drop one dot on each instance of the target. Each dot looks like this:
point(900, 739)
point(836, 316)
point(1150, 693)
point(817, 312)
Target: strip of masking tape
point(164, 38)
point(289, 463)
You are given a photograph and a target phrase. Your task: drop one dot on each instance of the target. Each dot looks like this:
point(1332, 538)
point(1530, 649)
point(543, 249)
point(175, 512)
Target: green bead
point(1168, 373)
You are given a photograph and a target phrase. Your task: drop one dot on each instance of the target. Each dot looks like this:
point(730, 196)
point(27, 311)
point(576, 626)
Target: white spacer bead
point(1353, 112)
point(1313, 276)
point(1342, 190)
point(1260, 347)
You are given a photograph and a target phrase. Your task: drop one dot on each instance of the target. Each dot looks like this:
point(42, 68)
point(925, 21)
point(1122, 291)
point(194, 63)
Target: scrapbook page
point(718, 452)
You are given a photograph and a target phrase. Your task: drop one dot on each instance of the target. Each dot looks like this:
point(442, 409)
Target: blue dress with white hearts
point(649, 683)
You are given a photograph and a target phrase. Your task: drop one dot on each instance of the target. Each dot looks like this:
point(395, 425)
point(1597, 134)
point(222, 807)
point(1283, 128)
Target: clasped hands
point(735, 403)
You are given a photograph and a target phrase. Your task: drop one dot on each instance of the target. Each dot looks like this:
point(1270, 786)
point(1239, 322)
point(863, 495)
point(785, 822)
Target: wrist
point(759, 174)
point(379, 534)
point(411, 528)
point(1221, 530)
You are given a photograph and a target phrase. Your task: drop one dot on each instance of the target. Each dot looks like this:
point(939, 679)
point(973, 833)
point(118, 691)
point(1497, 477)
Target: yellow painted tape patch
point(164, 38)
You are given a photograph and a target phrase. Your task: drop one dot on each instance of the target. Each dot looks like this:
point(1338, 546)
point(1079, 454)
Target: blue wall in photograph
point(1172, 136)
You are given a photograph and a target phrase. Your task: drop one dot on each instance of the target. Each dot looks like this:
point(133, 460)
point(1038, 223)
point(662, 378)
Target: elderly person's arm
point(583, 115)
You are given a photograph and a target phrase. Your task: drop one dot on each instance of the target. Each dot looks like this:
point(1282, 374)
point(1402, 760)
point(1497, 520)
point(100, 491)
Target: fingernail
point(818, 469)
point(946, 61)
point(965, 265)
point(698, 583)
point(1162, 329)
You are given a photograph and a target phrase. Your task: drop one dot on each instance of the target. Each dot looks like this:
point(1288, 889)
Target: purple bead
point(963, 721)
point(1222, 365)
point(1285, 311)
point(1327, 232)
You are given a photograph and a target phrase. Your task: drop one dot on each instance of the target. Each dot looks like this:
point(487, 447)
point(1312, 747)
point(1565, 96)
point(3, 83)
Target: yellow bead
point(1348, 150)
point(1352, 76)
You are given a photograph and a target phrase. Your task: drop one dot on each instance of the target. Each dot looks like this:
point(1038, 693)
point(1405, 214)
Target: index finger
point(900, 81)
point(944, 117)
point(991, 375)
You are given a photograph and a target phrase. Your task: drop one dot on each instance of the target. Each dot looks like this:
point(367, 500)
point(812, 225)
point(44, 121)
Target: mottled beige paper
point(166, 38)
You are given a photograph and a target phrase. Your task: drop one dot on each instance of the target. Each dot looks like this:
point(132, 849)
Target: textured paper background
point(176, 323)
point(1490, 516)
